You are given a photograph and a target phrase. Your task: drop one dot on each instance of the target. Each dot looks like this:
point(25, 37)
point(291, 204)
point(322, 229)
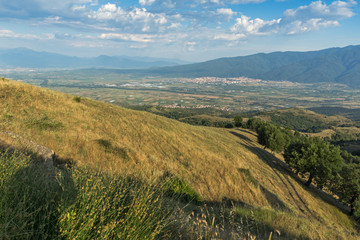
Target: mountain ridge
point(335, 65)
point(27, 58)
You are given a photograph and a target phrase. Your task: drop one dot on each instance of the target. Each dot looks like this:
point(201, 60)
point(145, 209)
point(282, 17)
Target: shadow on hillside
point(283, 172)
point(237, 215)
point(32, 197)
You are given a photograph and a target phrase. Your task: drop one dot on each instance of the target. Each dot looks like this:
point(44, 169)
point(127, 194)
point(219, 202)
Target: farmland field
point(227, 94)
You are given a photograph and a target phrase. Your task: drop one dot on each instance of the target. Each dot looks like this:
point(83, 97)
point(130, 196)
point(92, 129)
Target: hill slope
point(340, 65)
point(303, 120)
point(218, 163)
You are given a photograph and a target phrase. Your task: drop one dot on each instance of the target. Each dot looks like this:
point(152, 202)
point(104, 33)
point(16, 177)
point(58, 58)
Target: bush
point(238, 121)
point(77, 99)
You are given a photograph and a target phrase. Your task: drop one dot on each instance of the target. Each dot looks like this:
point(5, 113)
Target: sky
point(194, 31)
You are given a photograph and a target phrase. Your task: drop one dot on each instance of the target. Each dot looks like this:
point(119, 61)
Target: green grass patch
point(45, 123)
point(179, 189)
point(246, 172)
point(110, 148)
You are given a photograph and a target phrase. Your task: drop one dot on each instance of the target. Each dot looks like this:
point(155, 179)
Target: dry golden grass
point(323, 134)
point(115, 139)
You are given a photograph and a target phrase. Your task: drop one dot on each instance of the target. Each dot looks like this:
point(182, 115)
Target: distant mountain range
point(26, 58)
point(338, 65)
point(335, 65)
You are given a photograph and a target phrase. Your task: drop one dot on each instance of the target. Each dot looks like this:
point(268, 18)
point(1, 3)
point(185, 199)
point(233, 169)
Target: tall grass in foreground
point(41, 203)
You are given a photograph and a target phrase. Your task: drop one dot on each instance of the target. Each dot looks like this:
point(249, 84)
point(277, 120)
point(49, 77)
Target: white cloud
point(78, 8)
point(108, 11)
point(310, 25)
point(144, 38)
point(312, 17)
point(256, 26)
point(227, 12)
point(139, 46)
point(246, 1)
point(318, 9)
point(10, 34)
point(223, 2)
point(190, 46)
point(132, 20)
point(316, 15)
point(229, 37)
point(146, 2)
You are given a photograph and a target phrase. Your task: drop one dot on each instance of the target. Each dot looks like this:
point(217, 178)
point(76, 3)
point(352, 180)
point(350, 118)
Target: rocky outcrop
point(42, 154)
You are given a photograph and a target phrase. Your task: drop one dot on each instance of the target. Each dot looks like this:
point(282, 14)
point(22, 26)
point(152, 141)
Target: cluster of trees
point(299, 122)
point(316, 158)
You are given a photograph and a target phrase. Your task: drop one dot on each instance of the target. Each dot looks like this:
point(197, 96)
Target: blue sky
point(190, 30)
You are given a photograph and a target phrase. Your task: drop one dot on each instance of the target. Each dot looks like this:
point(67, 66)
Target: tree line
point(321, 162)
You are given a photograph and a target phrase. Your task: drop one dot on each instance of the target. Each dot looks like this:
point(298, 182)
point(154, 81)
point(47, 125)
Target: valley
point(178, 138)
point(229, 94)
point(244, 191)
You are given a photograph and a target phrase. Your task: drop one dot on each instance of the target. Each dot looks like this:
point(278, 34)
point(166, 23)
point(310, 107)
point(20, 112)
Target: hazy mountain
point(22, 57)
point(340, 65)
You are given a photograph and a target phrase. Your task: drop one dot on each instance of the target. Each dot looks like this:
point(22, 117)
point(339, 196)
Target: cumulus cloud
point(181, 23)
point(246, 1)
point(255, 26)
point(227, 12)
point(146, 2)
point(336, 10)
point(315, 16)
point(309, 25)
point(132, 20)
point(223, 2)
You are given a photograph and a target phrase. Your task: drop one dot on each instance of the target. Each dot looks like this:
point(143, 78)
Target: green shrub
point(179, 189)
point(77, 99)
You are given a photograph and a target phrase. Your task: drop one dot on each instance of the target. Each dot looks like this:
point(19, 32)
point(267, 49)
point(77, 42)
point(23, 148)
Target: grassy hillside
point(351, 113)
point(303, 120)
point(220, 165)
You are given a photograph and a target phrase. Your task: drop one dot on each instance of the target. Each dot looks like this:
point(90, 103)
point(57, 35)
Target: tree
point(347, 185)
point(254, 123)
point(314, 156)
point(238, 121)
point(271, 137)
